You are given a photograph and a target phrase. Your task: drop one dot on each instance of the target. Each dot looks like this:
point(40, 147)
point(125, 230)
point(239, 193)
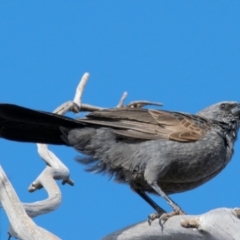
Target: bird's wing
point(150, 124)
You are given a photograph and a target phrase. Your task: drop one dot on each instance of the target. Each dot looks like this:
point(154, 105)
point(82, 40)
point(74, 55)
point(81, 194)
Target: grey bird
point(154, 151)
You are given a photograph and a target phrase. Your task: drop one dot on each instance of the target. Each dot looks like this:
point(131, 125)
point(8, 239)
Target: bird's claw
point(163, 217)
point(153, 216)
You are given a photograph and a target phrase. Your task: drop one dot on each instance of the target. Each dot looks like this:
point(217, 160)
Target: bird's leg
point(176, 209)
point(144, 196)
point(160, 211)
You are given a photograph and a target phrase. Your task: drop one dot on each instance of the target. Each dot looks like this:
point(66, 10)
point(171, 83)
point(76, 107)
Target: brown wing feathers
point(150, 124)
point(181, 127)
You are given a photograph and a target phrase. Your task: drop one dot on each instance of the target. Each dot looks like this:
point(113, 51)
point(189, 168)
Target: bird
point(153, 151)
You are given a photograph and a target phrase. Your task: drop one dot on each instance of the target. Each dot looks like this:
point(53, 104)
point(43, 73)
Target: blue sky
point(184, 54)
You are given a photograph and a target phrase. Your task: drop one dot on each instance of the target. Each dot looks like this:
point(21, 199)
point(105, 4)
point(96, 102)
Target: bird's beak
point(236, 109)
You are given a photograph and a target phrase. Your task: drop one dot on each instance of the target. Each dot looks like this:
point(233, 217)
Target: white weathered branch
point(218, 224)
point(120, 104)
point(22, 226)
point(80, 88)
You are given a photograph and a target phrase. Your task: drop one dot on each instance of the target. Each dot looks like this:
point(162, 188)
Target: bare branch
point(75, 105)
point(80, 88)
point(22, 226)
point(90, 108)
point(139, 104)
point(120, 104)
point(214, 225)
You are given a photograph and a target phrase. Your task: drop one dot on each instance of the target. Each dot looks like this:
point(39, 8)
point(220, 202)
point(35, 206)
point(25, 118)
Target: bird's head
point(227, 112)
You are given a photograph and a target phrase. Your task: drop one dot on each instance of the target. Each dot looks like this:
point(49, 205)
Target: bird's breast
point(197, 160)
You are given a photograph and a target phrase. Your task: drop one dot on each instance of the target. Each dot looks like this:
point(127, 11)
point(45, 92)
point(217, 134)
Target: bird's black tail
point(26, 125)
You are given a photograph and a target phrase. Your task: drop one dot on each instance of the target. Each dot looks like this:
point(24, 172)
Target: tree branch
point(218, 224)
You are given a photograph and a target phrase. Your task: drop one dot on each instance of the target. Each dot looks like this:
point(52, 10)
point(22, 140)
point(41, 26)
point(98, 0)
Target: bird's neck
point(231, 131)
point(235, 128)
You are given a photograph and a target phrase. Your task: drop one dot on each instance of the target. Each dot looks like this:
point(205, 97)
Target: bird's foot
point(153, 216)
point(163, 217)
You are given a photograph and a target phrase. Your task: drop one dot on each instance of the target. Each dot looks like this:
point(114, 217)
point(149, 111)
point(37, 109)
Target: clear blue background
point(184, 54)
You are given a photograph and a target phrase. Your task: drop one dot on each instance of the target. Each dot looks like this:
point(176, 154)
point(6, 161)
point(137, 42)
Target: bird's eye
point(223, 106)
